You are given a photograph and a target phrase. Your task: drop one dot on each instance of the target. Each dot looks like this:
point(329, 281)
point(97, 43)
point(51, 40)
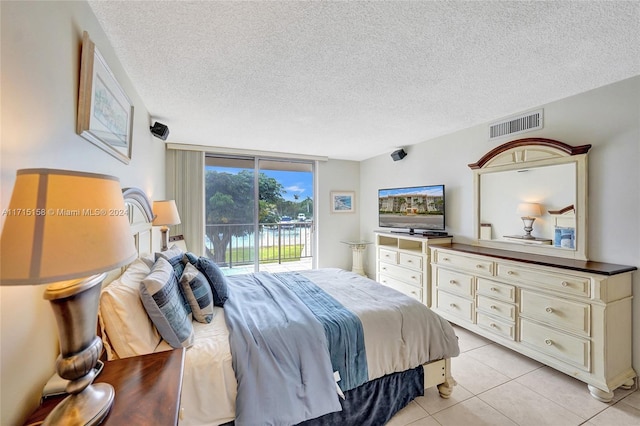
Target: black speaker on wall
point(160, 131)
point(398, 155)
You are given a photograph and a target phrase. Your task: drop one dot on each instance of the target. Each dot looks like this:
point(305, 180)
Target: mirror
point(540, 174)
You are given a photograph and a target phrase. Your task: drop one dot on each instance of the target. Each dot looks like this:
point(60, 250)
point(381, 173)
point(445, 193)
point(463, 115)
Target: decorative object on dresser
point(572, 315)
point(402, 263)
point(166, 213)
point(86, 212)
point(148, 388)
point(105, 113)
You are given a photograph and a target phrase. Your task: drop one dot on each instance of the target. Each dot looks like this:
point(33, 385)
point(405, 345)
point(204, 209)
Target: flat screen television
point(413, 210)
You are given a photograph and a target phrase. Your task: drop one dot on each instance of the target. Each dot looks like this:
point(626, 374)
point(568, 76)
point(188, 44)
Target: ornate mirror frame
point(524, 154)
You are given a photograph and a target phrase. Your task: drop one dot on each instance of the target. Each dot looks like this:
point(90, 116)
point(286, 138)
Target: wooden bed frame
point(436, 373)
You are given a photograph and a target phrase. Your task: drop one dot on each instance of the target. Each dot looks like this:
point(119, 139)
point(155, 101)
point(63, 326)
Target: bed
point(313, 347)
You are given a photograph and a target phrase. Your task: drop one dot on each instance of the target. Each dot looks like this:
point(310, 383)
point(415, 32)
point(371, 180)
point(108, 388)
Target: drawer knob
point(565, 284)
point(494, 307)
point(493, 324)
point(479, 266)
point(445, 259)
point(510, 272)
point(549, 309)
point(548, 342)
point(409, 261)
point(452, 282)
point(494, 289)
point(452, 305)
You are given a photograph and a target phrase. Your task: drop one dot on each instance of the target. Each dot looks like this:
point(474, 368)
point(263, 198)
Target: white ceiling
point(352, 80)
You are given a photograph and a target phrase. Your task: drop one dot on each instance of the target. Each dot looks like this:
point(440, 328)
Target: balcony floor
point(300, 265)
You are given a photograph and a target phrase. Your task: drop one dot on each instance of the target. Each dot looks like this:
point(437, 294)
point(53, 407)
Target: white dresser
point(402, 262)
point(574, 316)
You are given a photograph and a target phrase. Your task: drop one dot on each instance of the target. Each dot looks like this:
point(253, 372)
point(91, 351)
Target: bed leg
point(446, 388)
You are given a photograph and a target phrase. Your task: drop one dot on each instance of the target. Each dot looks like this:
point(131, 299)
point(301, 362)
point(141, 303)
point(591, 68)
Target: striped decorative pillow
point(197, 291)
point(161, 297)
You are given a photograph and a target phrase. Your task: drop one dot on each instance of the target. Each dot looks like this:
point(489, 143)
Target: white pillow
point(128, 327)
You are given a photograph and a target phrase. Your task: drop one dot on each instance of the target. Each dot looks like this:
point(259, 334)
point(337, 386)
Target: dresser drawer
point(565, 314)
point(455, 305)
point(386, 255)
point(454, 282)
point(496, 307)
point(498, 290)
point(564, 283)
point(408, 289)
point(476, 265)
point(411, 261)
point(403, 274)
point(556, 344)
point(501, 328)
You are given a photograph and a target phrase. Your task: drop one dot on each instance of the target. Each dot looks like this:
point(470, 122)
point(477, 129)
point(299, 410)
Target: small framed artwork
point(343, 202)
point(105, 113)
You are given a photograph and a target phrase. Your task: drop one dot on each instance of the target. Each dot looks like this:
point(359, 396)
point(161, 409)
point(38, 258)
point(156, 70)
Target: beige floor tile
point(432, 402)
point(633, 399)
point(475, 376)
point(566, 391)
point(472, 412)
point(468, 340)
point(508, 362)
point(528, 408)
point(425, 421)
point(408, 414)
point(620, 414)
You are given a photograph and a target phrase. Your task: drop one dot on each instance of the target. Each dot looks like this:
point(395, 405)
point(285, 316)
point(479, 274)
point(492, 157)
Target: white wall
point(608, 118)
point(40, 67)
point(336, 175)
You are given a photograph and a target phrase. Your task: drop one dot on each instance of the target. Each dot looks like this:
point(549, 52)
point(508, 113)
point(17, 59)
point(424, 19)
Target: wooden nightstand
point(147, 390)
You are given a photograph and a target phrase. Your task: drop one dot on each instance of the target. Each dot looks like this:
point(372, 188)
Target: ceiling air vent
point(519, 124)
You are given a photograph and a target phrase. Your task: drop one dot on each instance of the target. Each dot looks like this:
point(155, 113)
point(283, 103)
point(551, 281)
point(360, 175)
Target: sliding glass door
point(259, 213)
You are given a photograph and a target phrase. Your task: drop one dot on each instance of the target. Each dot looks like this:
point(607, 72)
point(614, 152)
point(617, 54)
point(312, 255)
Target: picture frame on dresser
point(105, 113)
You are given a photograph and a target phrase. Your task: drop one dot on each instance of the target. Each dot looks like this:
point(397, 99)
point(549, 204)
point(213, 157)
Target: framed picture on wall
point(105, 113)
point(343, 202)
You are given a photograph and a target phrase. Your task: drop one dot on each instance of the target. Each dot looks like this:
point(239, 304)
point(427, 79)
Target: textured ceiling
point(352, 80)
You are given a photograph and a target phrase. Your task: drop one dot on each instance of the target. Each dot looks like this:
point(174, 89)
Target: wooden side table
point(147, 390)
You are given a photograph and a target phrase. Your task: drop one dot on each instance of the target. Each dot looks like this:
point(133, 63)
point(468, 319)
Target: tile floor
point(497, 386)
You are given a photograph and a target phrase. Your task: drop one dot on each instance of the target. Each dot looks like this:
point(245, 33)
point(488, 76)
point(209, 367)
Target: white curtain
point(185, 185)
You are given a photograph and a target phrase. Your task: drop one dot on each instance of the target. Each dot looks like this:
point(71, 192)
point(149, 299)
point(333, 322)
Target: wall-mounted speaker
point(398, 155)
point(160, 131)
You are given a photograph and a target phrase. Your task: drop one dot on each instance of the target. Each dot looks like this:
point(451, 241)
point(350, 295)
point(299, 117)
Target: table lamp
point(65, 229)
point(528, 211)
point(166, 213)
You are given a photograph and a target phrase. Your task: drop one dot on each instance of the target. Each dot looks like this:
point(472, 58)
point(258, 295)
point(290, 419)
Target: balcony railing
point(277, 242)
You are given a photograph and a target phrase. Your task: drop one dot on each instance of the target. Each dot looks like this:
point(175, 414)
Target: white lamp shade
point(529, 209)
point(62, 225)
point(166, 213)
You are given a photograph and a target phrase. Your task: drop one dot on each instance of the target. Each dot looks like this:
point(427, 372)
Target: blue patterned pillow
point(214, 275)
point(197, 291)
point(163, 302)
point(174, 256)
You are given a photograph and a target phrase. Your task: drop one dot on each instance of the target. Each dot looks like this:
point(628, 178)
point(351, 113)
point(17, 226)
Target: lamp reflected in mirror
point(528, 213)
